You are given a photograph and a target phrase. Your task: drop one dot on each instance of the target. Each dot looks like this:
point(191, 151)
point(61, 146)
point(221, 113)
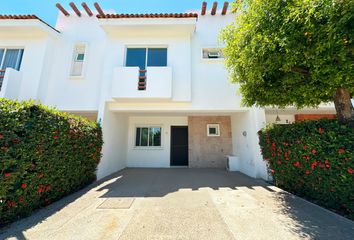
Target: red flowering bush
point(313, 159)
point(44, 155)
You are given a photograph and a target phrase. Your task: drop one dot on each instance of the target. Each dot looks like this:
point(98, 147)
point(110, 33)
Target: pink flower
point(350, 171)
point(307, 172)
point(7, 174)
point(24, 186)
point(314, 151)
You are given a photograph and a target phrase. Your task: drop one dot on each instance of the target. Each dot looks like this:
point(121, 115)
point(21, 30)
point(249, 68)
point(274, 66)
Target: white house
point(155, 82)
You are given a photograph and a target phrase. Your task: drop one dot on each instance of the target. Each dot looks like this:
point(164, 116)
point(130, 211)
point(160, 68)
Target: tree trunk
point(344, 106)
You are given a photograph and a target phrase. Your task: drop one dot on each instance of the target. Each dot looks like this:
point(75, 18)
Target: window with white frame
point(213, 130)
point(212, 53)
point(148, 136)
point(10, 57)
point(77, 66)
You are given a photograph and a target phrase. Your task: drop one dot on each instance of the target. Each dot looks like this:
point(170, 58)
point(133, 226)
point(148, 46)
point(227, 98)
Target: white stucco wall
point(114, 150)
point(32, 62)
point(245, 142)
point(153, 157)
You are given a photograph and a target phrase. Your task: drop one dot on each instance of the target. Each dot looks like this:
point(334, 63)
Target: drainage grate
point(117, 203)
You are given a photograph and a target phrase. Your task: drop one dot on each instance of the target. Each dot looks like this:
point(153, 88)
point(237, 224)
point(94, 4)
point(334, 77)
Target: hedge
point(44, 155)
point(313, 159)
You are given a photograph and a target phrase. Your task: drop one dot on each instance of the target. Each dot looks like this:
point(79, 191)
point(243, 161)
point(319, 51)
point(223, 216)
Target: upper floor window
point(146, 57)
point(212, 53)
point(77, 66)
point(11, 58)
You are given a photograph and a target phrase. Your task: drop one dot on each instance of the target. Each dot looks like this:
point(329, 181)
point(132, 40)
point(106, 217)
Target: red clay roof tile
point(150, 15)
point(25, 17)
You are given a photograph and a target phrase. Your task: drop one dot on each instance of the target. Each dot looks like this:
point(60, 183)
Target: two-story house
point(155, 82)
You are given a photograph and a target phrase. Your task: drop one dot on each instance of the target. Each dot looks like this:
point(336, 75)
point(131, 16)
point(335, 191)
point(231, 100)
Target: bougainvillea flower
point(314, 151)
point(350, 171)
point(7, 174)
point(24, 186)
point(307, 172)
point(304, 147)
point(297, 164)
point(327, 163)
point(341, 151)
point(314, 164)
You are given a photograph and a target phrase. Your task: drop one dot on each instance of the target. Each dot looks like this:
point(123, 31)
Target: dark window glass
point(136, 57)
point(144, 137)
point(137, 138)
point(157, 57)
point(212, 131)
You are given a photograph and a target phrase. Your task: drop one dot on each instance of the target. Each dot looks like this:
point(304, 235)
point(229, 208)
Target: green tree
point(293, 53)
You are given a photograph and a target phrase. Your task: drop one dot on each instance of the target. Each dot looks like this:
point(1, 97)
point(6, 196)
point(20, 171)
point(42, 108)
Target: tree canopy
point(291, 52)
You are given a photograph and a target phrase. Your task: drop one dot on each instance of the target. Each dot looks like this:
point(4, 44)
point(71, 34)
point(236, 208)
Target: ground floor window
point(148, 137)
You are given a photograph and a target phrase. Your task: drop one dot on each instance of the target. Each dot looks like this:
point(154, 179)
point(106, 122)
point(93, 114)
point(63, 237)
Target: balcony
point(131, 83)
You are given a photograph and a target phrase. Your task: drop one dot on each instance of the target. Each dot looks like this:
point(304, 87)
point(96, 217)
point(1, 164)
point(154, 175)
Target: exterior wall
point(206, 151)
point(303, 117)
point(31, 66)
point(76, 93)
point(245, 127)
point(211, 87)
point(156, 156)
point(115, 133)
point(284, 118)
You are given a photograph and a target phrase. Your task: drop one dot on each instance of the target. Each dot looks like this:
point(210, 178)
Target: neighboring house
point(155, 82)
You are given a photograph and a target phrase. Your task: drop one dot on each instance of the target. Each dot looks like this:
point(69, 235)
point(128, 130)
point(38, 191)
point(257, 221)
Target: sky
point(46, 10)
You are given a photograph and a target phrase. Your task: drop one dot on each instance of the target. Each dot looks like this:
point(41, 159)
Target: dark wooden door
point(179, 146)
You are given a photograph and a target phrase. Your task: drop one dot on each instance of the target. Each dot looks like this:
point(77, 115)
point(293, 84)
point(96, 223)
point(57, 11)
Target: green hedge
point(44, 155)
point(313, 159)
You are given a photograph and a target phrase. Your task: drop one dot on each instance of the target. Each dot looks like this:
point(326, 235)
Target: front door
point(179, 146)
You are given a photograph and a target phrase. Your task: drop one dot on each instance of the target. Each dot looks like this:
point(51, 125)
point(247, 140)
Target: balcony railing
point(132, 83)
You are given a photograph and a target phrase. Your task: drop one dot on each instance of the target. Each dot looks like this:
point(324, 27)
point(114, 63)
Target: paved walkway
point(181, 204)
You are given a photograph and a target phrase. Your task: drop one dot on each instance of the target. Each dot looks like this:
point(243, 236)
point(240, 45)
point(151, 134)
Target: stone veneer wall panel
point(209, 152)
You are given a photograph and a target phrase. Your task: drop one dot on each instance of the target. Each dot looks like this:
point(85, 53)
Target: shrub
point(313, 159)
point(44, 155)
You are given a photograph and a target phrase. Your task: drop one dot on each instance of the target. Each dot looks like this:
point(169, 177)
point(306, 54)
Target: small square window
point(213, 130)
point(212, 53)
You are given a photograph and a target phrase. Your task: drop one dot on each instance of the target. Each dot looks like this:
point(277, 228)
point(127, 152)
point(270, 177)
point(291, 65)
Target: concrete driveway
point(181, 204)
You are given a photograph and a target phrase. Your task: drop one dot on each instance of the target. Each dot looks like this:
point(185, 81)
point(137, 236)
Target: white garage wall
point(154, 157)
point(115, 129)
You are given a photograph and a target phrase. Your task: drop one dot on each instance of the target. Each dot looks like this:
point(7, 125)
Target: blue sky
point(46, 9)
